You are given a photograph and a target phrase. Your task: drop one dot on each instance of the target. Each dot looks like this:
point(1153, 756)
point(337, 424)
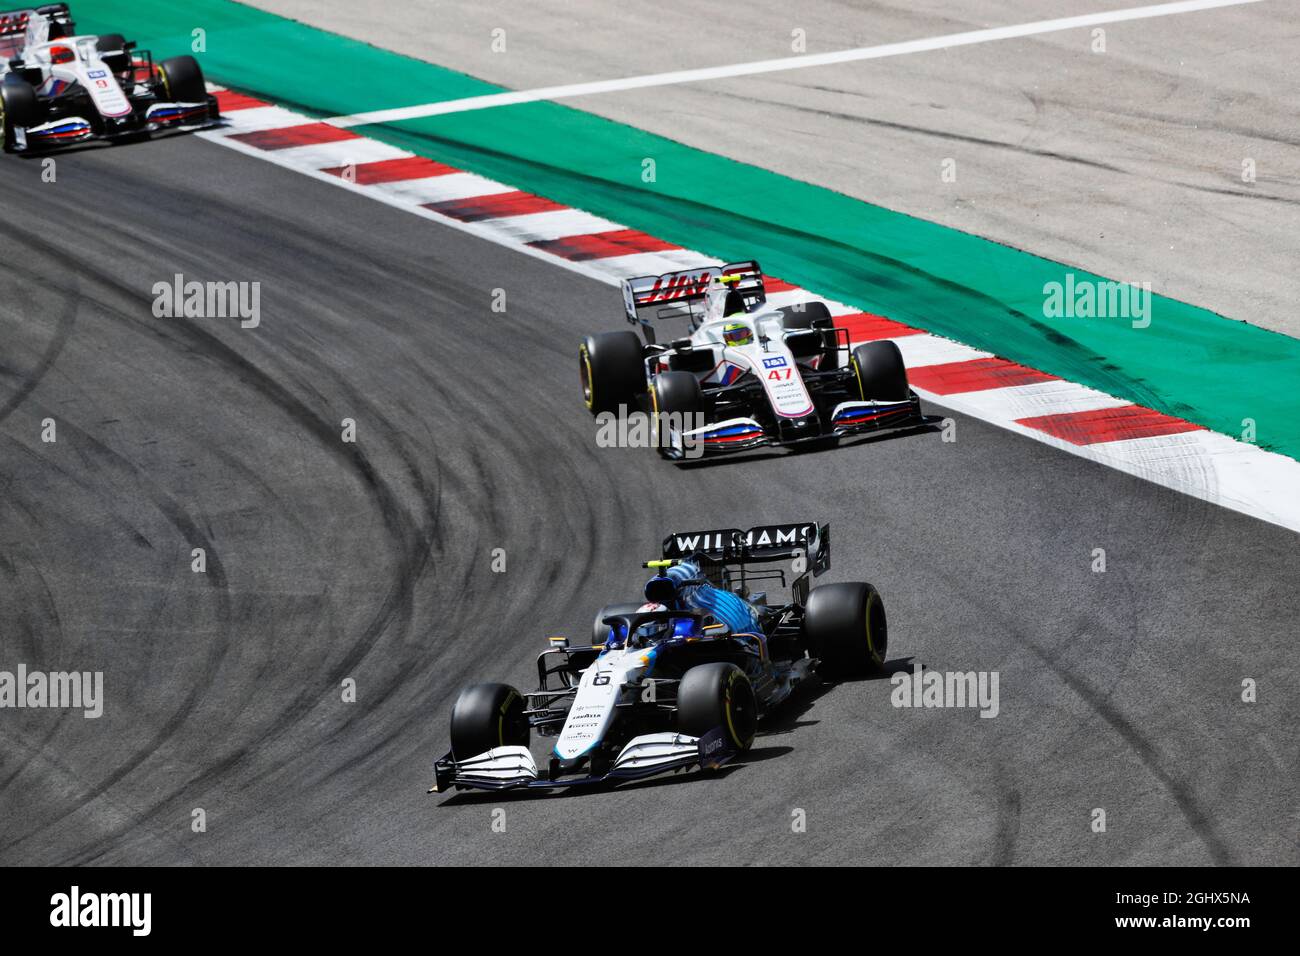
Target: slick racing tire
point(612, 370)
point(599, 630)
point(487, 716)
point(792, 318)
point(182, 80)
point(845, 626)
point(675, 394)
point(19, 106)
point(881, 375)
point(717, 695)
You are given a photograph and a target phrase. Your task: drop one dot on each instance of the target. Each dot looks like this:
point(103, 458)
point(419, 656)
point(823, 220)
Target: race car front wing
point(847, 418)
point(504, 768)
point(155, 117)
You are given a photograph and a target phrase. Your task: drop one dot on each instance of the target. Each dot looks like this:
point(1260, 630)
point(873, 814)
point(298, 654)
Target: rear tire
point(881, 374)
point(717, 695)
point(677, 394)
point(487, 716)
point(612, 370)
point(845, 626)
point(182, 80)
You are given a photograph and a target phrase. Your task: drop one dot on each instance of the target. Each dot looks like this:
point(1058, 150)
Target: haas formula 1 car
point(680, 680)
point(747, 373)
point(58, 87)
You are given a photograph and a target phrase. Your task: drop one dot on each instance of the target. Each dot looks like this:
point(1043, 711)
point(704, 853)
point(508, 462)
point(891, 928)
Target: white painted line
point(948, 41)
point(837, 308)
point(1041, 398)
point(258, 118)
point(795, 296)
point(651, 263)
point(343, 153)
point(926, 349)
point(442, 188)
point(1249, 480)
point(557, 224)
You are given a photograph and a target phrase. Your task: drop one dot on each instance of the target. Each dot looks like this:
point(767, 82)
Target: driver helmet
point(652, 631)
point(737, 333)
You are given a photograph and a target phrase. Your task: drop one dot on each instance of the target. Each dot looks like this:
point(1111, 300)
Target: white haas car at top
point(747, 374)
point(58, 87)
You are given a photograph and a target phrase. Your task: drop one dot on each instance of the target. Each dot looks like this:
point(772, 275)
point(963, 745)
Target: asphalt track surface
point(372, 561)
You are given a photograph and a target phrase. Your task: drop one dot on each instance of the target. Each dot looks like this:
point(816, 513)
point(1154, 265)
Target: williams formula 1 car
point(680, 680)
point(58, 87)
point(746, 374)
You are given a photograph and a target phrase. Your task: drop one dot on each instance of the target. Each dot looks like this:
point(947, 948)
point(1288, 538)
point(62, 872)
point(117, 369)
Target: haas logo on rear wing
point(671, 287)
point(21, 29)
point(674, 288)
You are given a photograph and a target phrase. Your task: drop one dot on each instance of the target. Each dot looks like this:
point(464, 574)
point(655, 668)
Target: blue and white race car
point(681, 679)
point(747, 374)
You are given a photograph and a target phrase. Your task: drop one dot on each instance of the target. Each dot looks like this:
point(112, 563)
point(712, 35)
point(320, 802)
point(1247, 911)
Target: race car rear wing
point(16, 22)
point(20, 29)
point(773, 542)
point(672, 294)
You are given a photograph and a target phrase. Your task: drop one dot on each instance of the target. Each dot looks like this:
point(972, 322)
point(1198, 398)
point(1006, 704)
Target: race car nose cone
point(800, 429)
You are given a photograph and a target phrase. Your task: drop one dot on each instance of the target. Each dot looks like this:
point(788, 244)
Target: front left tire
point(486, 716)
point(19, 107)
point(881, 374)
point(718, 695)
point(612, 371)
point(182, 80)
point(677, 395)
